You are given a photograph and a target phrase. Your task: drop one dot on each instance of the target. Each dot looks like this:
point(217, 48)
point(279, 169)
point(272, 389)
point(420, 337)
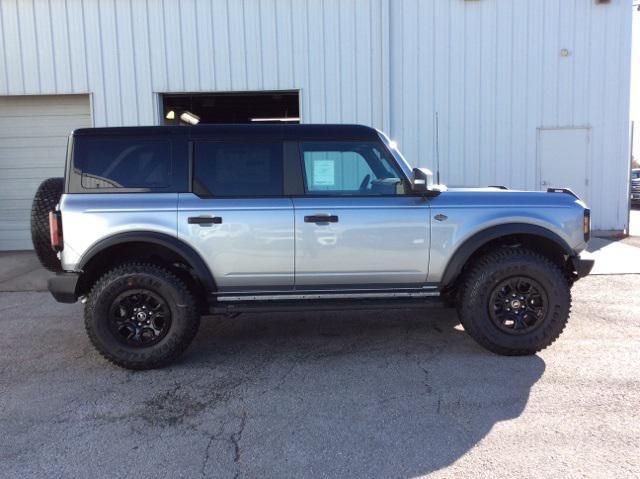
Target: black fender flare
point(479, 239)
point(191, 256)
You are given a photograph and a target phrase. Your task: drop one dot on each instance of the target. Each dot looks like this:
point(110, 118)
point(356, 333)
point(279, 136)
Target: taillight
point(55, 229)
point(586, 224)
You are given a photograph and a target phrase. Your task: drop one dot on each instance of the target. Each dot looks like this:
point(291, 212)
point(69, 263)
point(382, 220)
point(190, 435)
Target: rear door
point(236, 216)
point(358, 226)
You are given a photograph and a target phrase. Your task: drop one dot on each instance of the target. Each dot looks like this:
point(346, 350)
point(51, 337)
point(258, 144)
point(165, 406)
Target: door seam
point(295, 242)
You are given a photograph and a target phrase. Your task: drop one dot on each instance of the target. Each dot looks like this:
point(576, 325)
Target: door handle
point(204, 220)
point(321, 219)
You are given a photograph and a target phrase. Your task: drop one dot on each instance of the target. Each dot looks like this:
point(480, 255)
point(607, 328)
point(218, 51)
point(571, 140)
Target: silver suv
point(153, 227)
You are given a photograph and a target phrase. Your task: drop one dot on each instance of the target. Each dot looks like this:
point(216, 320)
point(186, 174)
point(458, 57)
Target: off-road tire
point(486, 274)
point(185, 318)
point(46, 198)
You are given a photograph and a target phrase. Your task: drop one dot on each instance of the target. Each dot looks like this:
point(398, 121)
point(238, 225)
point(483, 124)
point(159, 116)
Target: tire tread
point(45, 200)
point(476, 283)
point(178, 345)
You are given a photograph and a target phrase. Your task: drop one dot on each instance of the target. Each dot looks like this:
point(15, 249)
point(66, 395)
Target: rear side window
point(124, 162)
point(229, 169)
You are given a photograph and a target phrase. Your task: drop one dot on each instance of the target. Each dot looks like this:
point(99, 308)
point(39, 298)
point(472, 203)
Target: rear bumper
point(581, 266)
point(63, 287)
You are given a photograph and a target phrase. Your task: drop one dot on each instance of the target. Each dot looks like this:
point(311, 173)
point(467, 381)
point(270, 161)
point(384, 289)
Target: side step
point(281, 306)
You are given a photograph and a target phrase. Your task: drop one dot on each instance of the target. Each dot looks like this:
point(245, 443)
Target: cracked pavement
point(357, 394)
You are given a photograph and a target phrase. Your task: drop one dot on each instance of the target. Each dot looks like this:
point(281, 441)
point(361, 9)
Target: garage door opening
point(244, 107)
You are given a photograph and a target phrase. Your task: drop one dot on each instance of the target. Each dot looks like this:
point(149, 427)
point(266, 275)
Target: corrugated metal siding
point(124, 51)
point(493, 72)
point(491, 69)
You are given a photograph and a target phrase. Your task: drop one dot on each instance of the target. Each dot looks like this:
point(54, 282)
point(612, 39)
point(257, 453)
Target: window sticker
point(324, 173)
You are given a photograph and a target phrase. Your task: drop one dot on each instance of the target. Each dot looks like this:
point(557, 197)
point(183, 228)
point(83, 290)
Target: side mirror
point(422, 180)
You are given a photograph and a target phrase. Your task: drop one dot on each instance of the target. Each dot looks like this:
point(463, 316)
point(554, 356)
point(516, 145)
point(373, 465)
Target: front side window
point(123, 162)
point(232, 169)
point(349, 169)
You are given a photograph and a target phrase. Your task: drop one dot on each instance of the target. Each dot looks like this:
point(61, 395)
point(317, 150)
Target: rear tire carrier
point(47, 197)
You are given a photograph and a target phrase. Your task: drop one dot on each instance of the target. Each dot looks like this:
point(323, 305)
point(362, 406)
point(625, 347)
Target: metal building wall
point(490, 68)
point(493, 71)
point(124, 51)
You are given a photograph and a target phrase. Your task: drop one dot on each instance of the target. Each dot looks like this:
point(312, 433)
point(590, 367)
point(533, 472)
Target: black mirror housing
point(422, 180)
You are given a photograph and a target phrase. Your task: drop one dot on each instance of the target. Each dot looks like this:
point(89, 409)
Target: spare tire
point(45, 200)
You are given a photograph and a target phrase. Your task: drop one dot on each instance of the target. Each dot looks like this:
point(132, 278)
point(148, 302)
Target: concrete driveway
point(325, 395)
point(634, 222)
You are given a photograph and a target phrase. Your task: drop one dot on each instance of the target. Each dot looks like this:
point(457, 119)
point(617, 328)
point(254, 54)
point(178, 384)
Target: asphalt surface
point(363, 394)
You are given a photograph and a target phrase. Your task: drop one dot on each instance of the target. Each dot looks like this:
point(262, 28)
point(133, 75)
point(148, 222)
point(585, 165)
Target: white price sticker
point(324, 173)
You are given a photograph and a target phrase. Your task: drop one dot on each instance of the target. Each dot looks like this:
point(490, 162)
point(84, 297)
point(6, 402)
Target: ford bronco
point(153, 227)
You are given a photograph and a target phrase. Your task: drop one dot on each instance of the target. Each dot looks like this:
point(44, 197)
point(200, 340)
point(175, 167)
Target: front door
point(357, 227)
point(237, 217)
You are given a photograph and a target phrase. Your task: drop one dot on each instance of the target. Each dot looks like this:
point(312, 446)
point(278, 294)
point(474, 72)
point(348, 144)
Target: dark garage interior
point(243, 107)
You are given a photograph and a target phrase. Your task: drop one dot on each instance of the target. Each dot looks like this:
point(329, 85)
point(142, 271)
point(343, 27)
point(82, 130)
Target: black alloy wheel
point(518, 305)
point(139, 317)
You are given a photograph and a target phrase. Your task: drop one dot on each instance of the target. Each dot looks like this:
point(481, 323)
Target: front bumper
point(62, 286)
point(581, 266)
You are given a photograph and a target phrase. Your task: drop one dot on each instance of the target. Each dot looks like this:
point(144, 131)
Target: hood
point(502, 196)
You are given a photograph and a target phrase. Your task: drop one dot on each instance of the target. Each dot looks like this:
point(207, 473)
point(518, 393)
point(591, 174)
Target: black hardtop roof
point(281, 132)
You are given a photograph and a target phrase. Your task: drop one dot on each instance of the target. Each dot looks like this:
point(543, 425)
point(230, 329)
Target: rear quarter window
point(123, 163)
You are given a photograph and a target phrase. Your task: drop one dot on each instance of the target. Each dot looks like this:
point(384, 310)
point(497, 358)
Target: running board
point(326, 295)
point(333, 304)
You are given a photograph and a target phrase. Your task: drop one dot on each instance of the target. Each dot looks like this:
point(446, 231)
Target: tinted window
point(349, 168)
point(238, 169)
point(124, 163)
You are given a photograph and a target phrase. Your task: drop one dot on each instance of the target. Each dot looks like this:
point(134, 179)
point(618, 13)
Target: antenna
point(437, 151)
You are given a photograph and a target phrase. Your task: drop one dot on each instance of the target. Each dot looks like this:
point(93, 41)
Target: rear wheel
point(514, 301)
point(141, 316)
point(45, 200)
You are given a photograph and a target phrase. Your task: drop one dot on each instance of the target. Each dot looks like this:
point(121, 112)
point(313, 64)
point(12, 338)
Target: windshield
point(635, 174)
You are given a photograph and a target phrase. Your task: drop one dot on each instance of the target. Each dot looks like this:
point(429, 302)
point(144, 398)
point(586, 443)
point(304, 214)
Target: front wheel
point(514, 301)
point(141, 316)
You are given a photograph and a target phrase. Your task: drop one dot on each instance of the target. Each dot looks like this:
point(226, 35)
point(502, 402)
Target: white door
point(563, 155)
point(33, 142)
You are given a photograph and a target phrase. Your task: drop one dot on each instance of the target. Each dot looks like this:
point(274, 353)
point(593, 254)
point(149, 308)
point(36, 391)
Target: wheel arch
point(151, 244)
point(536, 237)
